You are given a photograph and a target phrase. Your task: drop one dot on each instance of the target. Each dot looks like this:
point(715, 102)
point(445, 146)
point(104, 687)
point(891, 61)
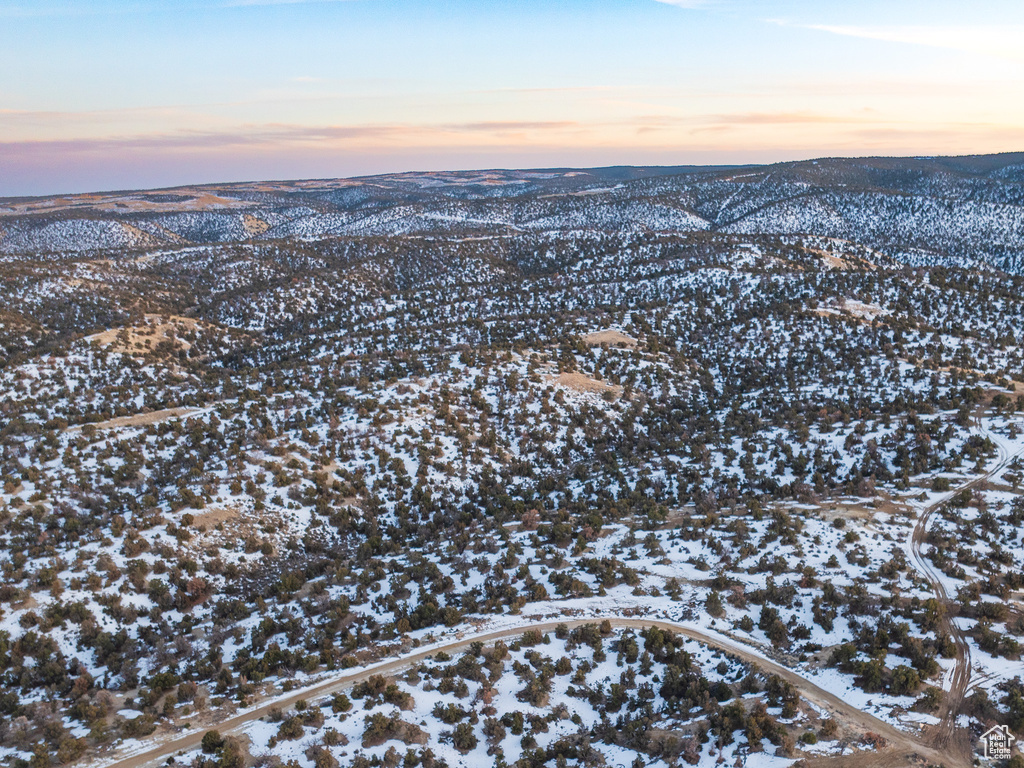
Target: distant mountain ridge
point(922, 210)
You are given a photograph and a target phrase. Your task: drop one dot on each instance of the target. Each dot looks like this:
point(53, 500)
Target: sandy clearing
point(326, 469)
point(582, 383)
point(141, 237)
point(610, 337)
point(850, 261)
point(224, 526)
point(847, 512)
point(140, 419)
point(191, 199)
point(862, 510)
point(215, 516)
point(839, 263)
point(139, 339)
point(253, 225)
point(834, 262)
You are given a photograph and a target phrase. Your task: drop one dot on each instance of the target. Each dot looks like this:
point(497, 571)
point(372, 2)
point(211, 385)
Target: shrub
point(713, 605)
point(463, 738)
point(211, 742)
point(290, 729)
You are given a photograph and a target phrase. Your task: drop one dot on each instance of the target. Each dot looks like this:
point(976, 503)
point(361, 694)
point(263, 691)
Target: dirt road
point(905, 745)
point(946, 736)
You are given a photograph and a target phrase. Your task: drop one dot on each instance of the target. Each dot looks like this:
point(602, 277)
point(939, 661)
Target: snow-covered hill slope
point(919, 211)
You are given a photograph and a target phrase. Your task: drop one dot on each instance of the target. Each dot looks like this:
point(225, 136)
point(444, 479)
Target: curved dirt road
point(946, 736)
point(961, 676)
point(902, 746)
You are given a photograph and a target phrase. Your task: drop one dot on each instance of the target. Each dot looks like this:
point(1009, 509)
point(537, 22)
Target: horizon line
point(682, 168)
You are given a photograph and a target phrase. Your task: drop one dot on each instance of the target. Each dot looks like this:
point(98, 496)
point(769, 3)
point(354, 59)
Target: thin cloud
point(93, 115)
point(276, 136)
point(786, 118)
point(723, 120)
point(998, 41)
point(504, 127)
point(198, 140)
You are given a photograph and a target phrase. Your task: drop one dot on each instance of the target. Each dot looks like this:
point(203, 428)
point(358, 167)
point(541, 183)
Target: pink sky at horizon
point(151, 94)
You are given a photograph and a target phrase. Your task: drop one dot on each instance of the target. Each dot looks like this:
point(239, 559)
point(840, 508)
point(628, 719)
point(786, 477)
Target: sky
point(127, 94)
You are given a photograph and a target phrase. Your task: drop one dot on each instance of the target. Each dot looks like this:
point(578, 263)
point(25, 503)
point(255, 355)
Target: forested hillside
point(254, 435)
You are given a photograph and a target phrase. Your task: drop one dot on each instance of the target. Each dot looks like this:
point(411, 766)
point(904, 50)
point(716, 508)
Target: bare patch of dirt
point(845, 262)
point(141, 237)
point(839, 263)
point(214, 516)
point(223, 526)
point(142, 339)
point(326, 469)
point(253, 225)
point(583, 383)
point(886, 504)
point(352, 501)
point(848, 512)
point(863, 512)
point(179, 199)
point(819, 659)
point(832, 262)
point(609, 337)
point(140, 419)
